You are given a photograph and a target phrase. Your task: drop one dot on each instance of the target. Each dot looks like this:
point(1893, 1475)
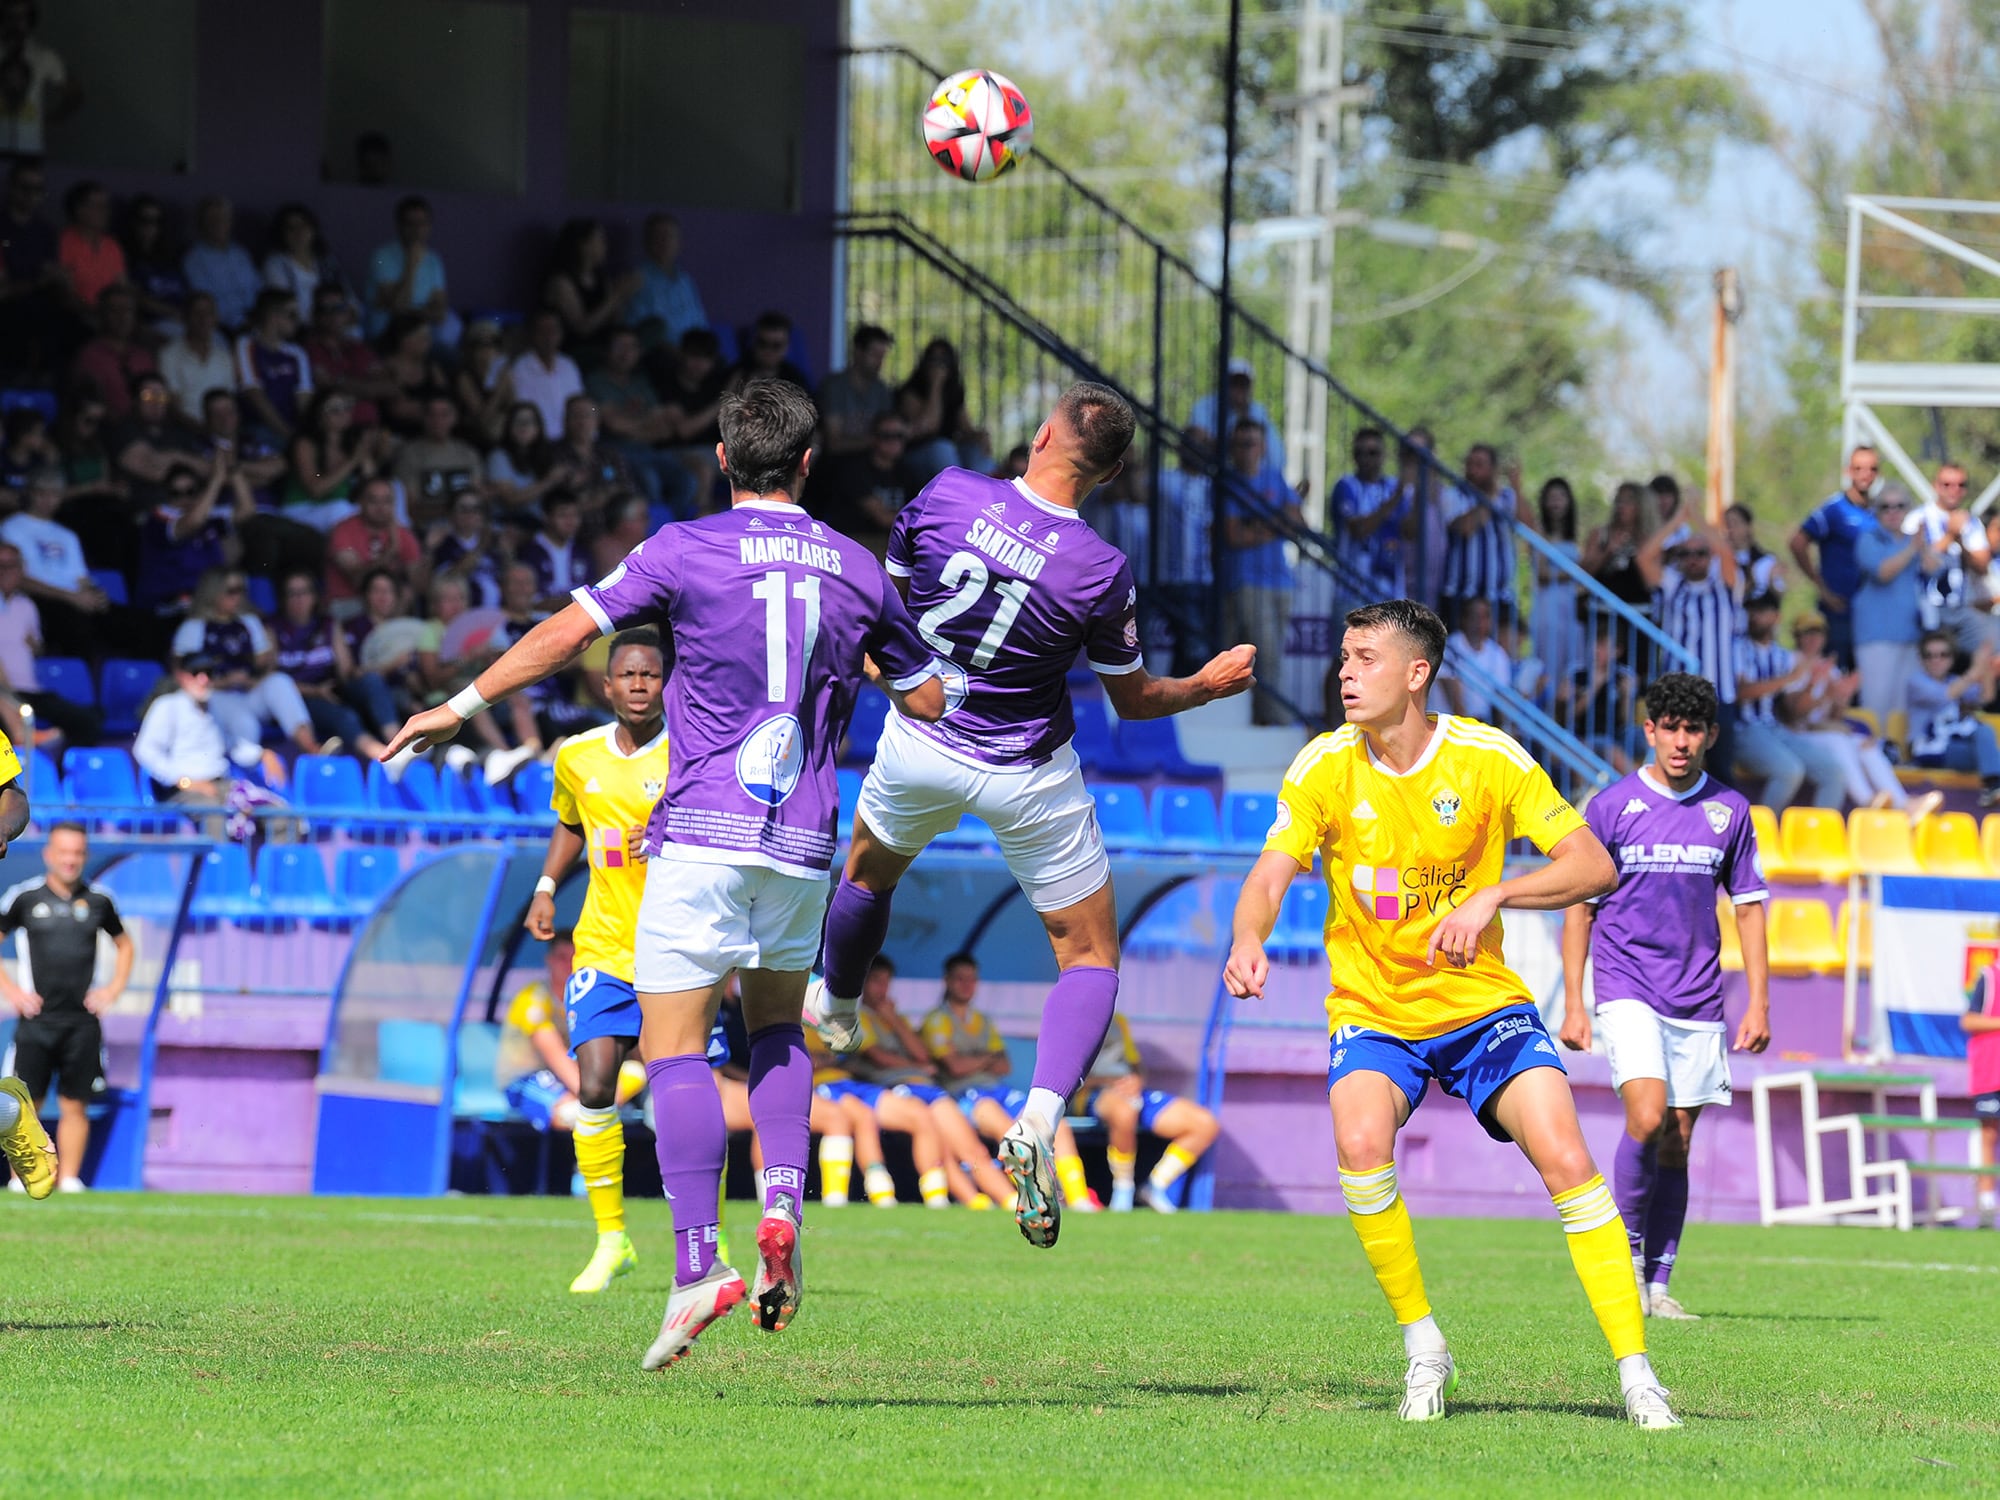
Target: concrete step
point(1253, 757)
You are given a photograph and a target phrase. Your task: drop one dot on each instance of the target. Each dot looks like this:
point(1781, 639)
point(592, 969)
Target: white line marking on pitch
point(1872, 1265)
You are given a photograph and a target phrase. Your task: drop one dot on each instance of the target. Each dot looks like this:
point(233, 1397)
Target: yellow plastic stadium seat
point(1847, 911)
point(1732, 945)
point(1880, 840)
point(1771, 850)
point(1862, 718)
point(1948, 844)
point(1989, 841)
point(1815, 842)
point(1802, 939)
point(1897, 730)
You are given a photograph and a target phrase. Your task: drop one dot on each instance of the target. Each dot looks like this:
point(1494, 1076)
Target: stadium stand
point(1880, 841)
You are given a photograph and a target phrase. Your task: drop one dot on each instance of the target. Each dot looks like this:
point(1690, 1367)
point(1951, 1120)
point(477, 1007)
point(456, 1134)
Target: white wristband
point(546, 886)
point(466, 702)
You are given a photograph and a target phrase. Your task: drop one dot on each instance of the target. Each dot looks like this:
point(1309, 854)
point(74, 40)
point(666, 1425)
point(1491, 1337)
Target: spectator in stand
point(1959, 540)
point(407, 275)
point(273, 543)
point(595, 470)
point(577, 288)
point(693, 396)
point(145, 449)
point(299, 262)
point(468, 547)
point(371, 541)
point(273, 374)
point(560, 562)
point(25, 449)
point(640, 427)
point(668, 304)
point(247, 692)
point(543, 375)
point(385, 638)
point(859, 494)
point(1595, 701)
point(523, 467)
point(1834, 527)
point(1370, 510)
point(57, 576)
point(850, 400)
point(1555, 626)
point(932, 402)
point(184, 750)
point(1120, 511)
point(86, 461)
point(1015, 464)
point(1884, 606)
point(630, 522)
point(346, 705)
point(485, 384)
point(53, 95)
point(1186, 561)
point(437, 466)
point(548, 711)
point(38, 329)
point(1259, 510)
point(408, 374)
point(330, 459)
point(1479, 517)
point(1666, 493)
point(1236, 405)
point(1767, 748)
point(1700, 593)
point(153, 264)
point(1474, 663)
point(374, 159)
point(116, 358)
point(20, 644)
point(1760, 567)
point(199, 361)
point(216, 264)
point(1421, 484)
point(340, 361)
point(88, 254)
point(1945, 732)
point(1816, 707)
point(445, 663)
point(1611, 552)
point(765, 356)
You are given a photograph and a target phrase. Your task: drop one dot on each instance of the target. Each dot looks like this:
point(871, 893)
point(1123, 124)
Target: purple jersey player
point(1009, 587)
point(772, 618)
point(1680, 839)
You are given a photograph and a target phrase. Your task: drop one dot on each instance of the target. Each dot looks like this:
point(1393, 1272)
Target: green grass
point(164, 1345)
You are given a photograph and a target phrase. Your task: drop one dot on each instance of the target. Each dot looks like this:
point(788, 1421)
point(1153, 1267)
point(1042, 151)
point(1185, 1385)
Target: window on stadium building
point(705, 114)
point(446, 81)
point(136, 67)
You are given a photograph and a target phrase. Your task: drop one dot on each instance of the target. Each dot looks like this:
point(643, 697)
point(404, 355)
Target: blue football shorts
point(1151, 1103)
point(923, 1093)
point(536, 1095)
point(599, 1005)
point(1011, 1099)
point(869, 1094)
point(1472, 1063)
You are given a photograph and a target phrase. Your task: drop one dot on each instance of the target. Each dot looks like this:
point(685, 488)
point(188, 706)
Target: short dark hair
point(701, 341)
point(766, 429)
point(1664, 484)
point(1740, 509)
point(409, 202)
point(774, 320)
point(872, 333)
point(645, 636)
point(1416, 623)
point(1682, 698)
point(1362, 434)
point(68, 825)
point(1765, 600)
point(1487, 448)
point(1101, 419)
point(881, 963)
point(556, 497)
point(954, 960)
point(270, 300)
point(73, 199)
point(1939, 635)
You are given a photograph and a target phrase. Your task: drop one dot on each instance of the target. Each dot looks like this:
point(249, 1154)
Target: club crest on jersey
point(653, 787)
point(772, 759)
point(1447, 806)
point(1717, 815)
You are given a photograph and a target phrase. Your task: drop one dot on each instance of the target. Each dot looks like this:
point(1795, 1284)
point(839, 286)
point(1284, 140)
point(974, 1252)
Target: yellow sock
point(1124, 1164)
point(1170, 1168)
point(1069, 1172)
point(1382, 1224)
point(879, 1185)
point(980, 1202)
point(932, 1186)
point(599, 1139)
point(836, 1168)
point(1603, 1262)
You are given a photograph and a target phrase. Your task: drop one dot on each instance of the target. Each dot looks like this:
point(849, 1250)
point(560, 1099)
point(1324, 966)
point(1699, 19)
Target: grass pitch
point(159, 1345)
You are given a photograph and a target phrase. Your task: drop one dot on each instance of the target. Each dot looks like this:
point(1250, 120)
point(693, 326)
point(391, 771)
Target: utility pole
point(1722, 395)
point(1218, 553)
point(1315, 200)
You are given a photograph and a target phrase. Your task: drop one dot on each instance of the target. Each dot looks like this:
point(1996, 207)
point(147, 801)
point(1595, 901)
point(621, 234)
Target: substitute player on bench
point(1410, 815)
point(1116, 1093)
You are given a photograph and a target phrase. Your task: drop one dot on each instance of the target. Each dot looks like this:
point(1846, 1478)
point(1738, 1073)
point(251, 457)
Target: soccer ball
point(977, 125)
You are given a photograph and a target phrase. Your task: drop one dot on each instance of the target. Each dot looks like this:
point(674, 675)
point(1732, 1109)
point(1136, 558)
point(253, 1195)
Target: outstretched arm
point(541, 653)
point(1140, 695)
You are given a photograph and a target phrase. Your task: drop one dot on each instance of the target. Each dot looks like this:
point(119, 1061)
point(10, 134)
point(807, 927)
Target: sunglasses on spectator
point(1939, 653)
point(232, 590)
point(1888, 506)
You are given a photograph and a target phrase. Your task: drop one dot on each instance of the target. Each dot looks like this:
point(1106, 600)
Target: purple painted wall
point(257, 139)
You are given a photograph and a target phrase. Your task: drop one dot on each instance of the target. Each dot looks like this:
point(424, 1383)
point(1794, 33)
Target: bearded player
point(1410, 814)
point(606, 782)
point(1009, 586)
point(772, 616)
point(1680, 839)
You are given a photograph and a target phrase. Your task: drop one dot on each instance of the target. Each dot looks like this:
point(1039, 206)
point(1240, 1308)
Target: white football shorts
point(1042, 815)
point(1692, 1056)
point(698, 921)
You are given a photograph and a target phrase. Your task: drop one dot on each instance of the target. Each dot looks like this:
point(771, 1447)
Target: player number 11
point(777, 638)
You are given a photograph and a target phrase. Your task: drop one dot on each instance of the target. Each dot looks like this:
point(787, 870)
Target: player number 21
point(966, 572)
point(777, 637)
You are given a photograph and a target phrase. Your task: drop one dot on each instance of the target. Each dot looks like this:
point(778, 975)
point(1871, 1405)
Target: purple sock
point(692, 1144)
point(1664, 1218)
point(857, 924)
point(1633, 1174)
point(1075, 1018)
point(781, 1082)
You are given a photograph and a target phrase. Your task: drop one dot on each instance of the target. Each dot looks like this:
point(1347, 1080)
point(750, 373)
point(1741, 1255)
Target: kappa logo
point(1447, 806)
point(1636, 805)
point(1718, 816)
point(1366, 809)
point(755, 523)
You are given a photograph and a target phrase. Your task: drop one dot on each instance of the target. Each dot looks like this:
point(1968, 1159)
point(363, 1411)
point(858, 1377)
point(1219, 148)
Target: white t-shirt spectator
point(21, 131)
point(548, 390)
point(51, 553)
point(180, 738)
point(20, 635)
point(191, 376)
point(1489, 660)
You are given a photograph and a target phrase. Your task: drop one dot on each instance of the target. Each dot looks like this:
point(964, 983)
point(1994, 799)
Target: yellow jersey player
point(23, 1141)
point(1410, 815)
point(1115, 1092)
point(606, 783)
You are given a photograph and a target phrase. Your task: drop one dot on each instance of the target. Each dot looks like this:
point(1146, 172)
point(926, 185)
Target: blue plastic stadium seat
point(849, 783)
point(475, 1096)
point(102, 778)
point(362, 877)
point(532, 786)
point(291, 886)
point(1121, 814)
point(410, 1052)
point(263, 597)
point(112, 582)
point(864, 731)
point(1301, 927)
point(146, 885)
point(1185, 816)
point(1094, 747)
point(1153, 746)
point(44, 780)
point(225, 891)
point(66, 677)
point(1246, 818)
point(1163, 927)
point(122, 688)
point(416, 792)
point(329, 784)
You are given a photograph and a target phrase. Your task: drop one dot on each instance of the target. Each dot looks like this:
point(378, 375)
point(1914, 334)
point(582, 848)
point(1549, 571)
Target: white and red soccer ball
point(978, 125)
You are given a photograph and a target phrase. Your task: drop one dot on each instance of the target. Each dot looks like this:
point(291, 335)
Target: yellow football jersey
point(609, 794)
point(1400, 852)
point(10, 763)
point(532, 1008)
point(947, 1036)
point(1119, 1056)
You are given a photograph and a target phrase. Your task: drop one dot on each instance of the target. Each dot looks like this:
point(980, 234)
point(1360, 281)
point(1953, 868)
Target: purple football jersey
point(1656, 937)
point(770, 614)
point(1008, 589)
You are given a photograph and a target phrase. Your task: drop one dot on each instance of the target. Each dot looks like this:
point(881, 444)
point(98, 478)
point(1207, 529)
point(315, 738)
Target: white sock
point(1424, 1337)
point(1042, 1113)
point(10, 1114)
point(1985, 1194)
point(1635, 1370)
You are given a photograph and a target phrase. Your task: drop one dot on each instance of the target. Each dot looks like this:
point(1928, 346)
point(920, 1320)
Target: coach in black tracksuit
point(59, 1036)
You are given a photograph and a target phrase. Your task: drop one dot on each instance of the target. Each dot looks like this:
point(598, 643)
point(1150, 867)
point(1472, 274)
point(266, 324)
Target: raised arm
point(1140, 695)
